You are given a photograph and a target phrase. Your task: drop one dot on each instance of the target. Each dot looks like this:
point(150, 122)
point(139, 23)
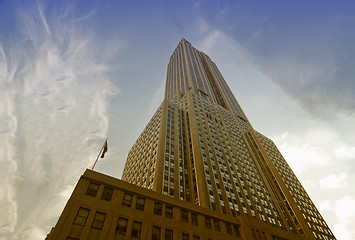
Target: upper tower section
point(189, 68)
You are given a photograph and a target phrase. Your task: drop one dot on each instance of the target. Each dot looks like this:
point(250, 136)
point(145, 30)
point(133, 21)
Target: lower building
point(103, 207)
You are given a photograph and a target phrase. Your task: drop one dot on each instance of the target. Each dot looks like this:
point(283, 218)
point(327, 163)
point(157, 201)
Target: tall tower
point(198, 171)
point(200, 147)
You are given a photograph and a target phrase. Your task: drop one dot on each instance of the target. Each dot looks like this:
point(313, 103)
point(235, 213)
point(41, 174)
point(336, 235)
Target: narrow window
point(127, 200)
point(216, 225)
point(168, 234)
point(254, 235)
point(184, 216)
point(169, 211)
point(99, 220)
point(140, 203)
point(122, 226)
point(157, 208)
point(81, 216)
point(194, 219)
point(236, 230)
point(229, 229)
point(156, 233)
point(136, 229)
point(208, 222)
point(185, 236)
point(107, 194)
point(92, 189)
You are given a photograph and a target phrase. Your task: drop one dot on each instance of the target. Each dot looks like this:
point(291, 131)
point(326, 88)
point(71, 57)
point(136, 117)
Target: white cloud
point(334, 181)
point(202, 26)
point(8, 128)
point(210, 40)
point(306, 150)
point(316, 147)
point(54, 89)
point(326, 205)
point(344, 210)
point(157, 99)
point(66, 191)
point(345, 152)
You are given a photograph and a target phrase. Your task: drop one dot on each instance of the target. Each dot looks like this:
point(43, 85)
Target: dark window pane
point(185, 236)
point(196, 237)
point(236, 230)
point(216, 225)
point(99, 220)
point(208, 222)
point(122, 226)
point(157, 208)
point(136, 229)
point(156, 233)
point(140, 203)
point(127, 200)
point(194, 220)
point(81, 216)
point(168, 234)
point(92, 189)
point(184, 216)
point(264, 237)
point(107, 194)
point(229, 229)
point(253, 232)
point(169, 211)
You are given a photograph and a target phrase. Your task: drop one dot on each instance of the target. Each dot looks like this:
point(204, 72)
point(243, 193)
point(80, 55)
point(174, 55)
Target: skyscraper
point(200, 147)
point(200, 160)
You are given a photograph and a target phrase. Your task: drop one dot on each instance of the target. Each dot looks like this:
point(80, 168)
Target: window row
point(93, 189)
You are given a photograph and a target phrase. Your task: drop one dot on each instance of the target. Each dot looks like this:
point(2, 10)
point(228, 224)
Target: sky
point(75, 72)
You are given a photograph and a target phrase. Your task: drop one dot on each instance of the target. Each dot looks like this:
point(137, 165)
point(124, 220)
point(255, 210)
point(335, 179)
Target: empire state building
point(199, 170)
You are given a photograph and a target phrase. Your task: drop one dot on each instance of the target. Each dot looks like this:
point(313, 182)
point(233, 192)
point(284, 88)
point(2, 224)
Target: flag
point(105, 149)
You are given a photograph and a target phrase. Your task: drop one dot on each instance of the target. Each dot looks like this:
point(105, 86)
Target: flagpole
point(99, 154)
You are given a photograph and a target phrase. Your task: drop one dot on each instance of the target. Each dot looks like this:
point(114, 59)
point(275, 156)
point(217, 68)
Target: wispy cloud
point(157, 99)
point(54, 89)
point(345, 152)
point(334, 181)
point(8, 128)
point(344, 210)
point(311, 149)
point(311, 58)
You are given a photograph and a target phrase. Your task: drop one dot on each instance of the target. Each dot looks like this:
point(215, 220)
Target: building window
point(169, 234)
point(136, 229)
point(156, 233)
point(99, 220)
point(185, 236)
point(127, 200)
point(236, 230)
point(229, 229)
point(140, 203)
point(216, 225)
point(71, 238)
point(194, 219)
point(107, 194)
point(92, 189)
point(122, 226)
point(169, 211)
point(208, 222)
point(196, 237)
point(81, 216)
point(157, 208)
point(184, 216)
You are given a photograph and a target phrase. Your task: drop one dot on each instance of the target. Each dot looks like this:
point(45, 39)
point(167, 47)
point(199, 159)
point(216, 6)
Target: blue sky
point(75, 72)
